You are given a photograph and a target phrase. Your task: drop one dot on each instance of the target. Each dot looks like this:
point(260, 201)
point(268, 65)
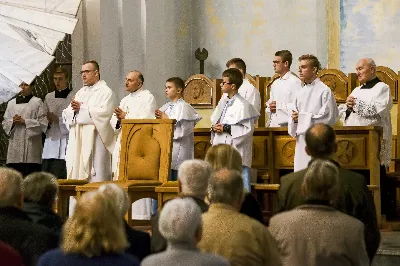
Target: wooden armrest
point(267, 187)
point(373, 187)
point(69, 182)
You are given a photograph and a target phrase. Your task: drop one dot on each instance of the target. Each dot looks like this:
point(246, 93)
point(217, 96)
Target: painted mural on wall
point(369, 28)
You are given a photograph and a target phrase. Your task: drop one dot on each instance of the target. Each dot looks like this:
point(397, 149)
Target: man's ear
point(180, 90)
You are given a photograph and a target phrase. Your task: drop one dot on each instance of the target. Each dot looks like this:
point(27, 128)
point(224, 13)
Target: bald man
point(138, 104)
point(353, 198)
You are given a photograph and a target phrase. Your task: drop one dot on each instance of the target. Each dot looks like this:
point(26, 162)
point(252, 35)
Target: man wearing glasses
point(283, 91)
point(91, 137)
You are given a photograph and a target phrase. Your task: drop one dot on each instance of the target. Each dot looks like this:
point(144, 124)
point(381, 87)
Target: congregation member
point(56, 141)
point(246, 90)
point(315, 233)
point(235, 236)
point(40, 191)
point(353, 196)
point(139, 242)
point(314, 103)
point(181, 225)
point(30, 240)
point(186, 119)
point(91, 137)
point(225, 156)
point(193, 177)
point(369, 105)
point(233, 121)
point(24, 123)
point(283, 91)
point(93, 235)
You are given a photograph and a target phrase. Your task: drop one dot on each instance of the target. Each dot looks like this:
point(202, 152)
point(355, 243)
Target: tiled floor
point(389, 250)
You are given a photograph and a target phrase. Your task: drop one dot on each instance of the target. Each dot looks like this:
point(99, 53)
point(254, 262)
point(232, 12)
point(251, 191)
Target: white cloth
point(91, 135)
point(315, 103)
point(241, 116)
point(372, 108)
point(283, 91)
point(250, 93)
point(55, 145)
point(25, 142)
point(183, 142)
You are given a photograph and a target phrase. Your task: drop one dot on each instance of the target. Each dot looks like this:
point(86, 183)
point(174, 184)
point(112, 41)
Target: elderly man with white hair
point(16, 229)
point(370, 105)
point(315, 233)
point(193, 176)
point(181, 225)
point(139, 242)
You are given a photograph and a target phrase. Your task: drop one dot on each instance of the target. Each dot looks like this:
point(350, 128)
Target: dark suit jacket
point(43, 215)
point(354, 199)
point(139, 242)
point(29, 239)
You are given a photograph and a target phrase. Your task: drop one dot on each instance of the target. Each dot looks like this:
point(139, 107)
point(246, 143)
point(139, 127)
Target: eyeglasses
point(223, 83)
point(87, 71)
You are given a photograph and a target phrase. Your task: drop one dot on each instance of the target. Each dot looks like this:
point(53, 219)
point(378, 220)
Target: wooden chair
point(145, 159)
point(166, 192)
point(66, 189)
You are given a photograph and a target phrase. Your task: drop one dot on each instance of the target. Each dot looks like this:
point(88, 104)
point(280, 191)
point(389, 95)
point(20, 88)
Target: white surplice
point(55, 145)
point(91, 137)
point(25, 142)
point(315, 103)
point(250, 93)
point(183, 141)
point(283, 91)
point(241, 116)
point(140, 104)
point(372, 108)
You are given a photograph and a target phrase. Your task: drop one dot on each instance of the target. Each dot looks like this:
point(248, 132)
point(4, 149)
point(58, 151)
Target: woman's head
point(224, 156)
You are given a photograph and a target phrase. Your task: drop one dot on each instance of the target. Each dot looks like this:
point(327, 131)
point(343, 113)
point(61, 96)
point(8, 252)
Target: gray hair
point(179, 220)
point(118, 195)
point(10, 187)
point(321, 181)
point(41, 188)
point(226, 186)
point(194, 176)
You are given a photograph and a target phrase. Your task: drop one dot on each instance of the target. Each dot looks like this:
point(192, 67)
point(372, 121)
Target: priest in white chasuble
point(91, 137)
point(233, 121)
point(138, 104)
point(25, 122)
point(314, 103)
point(246, 90)
point(283, 91)
point(55, 145)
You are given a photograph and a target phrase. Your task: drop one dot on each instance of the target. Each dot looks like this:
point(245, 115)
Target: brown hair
point(224, 156)
point(312, 59)
point(62, 70)
point(238, 62)
point(179, 83)
point(286, 56)
point(235, 76)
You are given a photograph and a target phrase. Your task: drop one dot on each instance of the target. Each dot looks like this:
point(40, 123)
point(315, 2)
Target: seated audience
point(180, 224)
point(9, 256)
point(315, 233)
point(226, 156)
point(40, 191)
point(193, 176)
point(16, 229)
point(93, 235)
point(353, 198)
point(139, 242)
point(235, 236)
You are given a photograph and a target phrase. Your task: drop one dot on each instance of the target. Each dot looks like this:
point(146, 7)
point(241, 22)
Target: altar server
point(283, 91)
point(186, 118)
point(91, 137)
point(314, 103)
point(233, 121)
point(25, 122)
point(138, 104)
point(55, 144)
point(246, 90)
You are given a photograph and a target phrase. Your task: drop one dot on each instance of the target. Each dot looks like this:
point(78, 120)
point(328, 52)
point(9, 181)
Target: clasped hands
point(272, 106)
point(160, 115)
point(17, 119)
point(350, 102)
point(119, 113)
point(218, 128)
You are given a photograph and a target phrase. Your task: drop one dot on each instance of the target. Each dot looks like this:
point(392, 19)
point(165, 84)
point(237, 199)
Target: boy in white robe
point(283, 91)
point(138, 104)
point(186, 119)
point(370, 105)
point(55, 144)
point(233, 121)
point(25, 122)
point(246, 90)
point(314, 103)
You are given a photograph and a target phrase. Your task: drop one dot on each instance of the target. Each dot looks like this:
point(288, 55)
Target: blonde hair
point(95, 227)
point(224, 156)
point(10, 187)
